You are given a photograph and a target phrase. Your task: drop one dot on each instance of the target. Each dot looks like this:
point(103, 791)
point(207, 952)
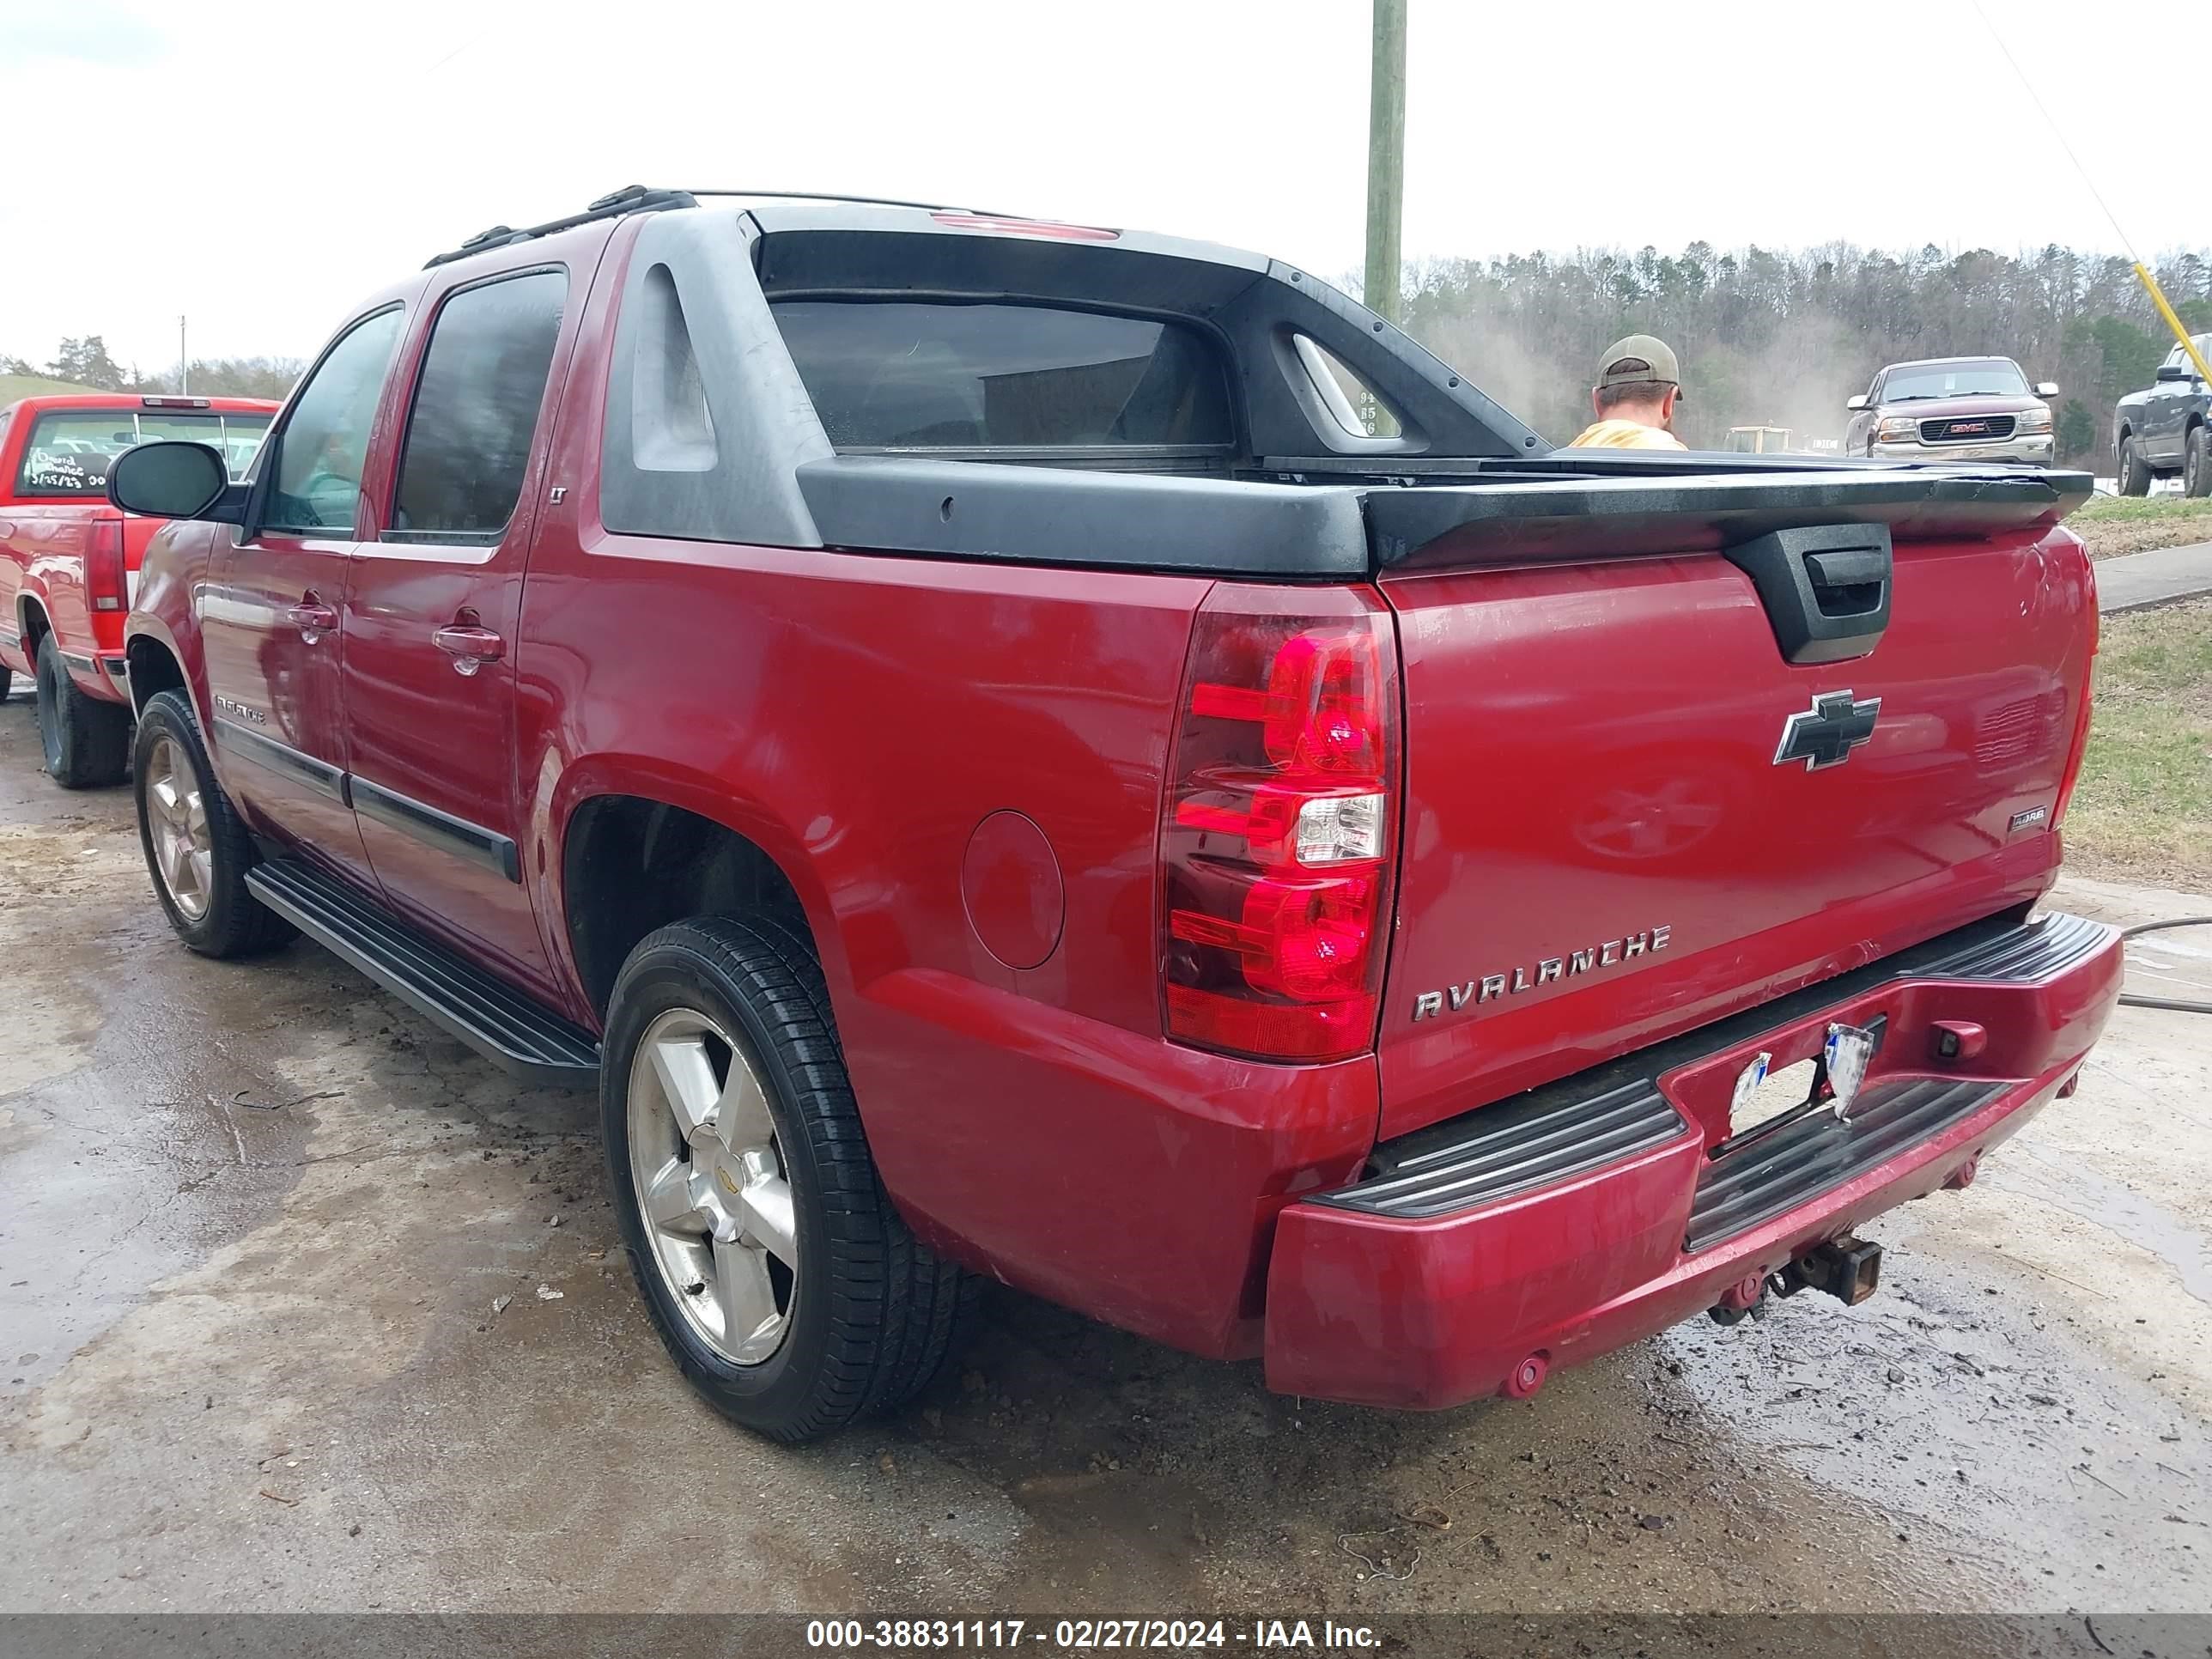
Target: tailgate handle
point(1856, 568)
point(1825, 587)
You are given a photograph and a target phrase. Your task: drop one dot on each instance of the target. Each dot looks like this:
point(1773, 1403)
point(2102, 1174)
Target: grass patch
point(2111, 525)
point(2143, 810)
point(13, 386)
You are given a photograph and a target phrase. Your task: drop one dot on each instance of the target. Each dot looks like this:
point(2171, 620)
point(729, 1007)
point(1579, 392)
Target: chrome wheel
point(711, 1186)
point(177, 829)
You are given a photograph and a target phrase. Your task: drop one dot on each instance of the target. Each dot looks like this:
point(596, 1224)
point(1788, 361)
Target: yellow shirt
point(1625, 434)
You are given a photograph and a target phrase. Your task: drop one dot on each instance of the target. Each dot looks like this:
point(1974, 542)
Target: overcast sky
point(258, 166)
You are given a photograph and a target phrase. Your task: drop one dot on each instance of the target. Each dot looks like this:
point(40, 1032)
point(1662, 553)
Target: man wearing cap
point(1638, 383)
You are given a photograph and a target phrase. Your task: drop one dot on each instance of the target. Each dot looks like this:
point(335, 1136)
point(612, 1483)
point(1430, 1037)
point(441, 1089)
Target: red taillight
point(105, 588)
point(1279, 836)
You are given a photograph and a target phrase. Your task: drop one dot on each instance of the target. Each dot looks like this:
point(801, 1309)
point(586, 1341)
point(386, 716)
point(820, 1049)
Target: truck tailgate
point(1612, 834)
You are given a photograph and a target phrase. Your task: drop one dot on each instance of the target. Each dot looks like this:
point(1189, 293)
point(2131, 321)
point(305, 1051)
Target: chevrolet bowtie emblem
point(1826, 733)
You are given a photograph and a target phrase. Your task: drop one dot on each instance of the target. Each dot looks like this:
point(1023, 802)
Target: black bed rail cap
point(1621, 514)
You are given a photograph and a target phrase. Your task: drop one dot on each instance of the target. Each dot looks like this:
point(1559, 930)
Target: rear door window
point(476, 409)
point(903, 374)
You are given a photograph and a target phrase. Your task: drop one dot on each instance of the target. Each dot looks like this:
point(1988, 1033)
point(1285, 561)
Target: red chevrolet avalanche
point(69, 561)
point(1033, 751)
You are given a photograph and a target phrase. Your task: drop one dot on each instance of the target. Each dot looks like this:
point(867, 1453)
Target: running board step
point(501, 1023)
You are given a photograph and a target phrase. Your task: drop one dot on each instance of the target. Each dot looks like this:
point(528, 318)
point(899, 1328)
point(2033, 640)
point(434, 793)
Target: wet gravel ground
point(259, 1227)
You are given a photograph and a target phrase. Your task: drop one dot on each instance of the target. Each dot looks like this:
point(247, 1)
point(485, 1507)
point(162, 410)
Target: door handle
point(470, 646)
point(312, 618)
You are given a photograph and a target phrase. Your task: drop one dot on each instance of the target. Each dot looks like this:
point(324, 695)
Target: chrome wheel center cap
point(727, 1186)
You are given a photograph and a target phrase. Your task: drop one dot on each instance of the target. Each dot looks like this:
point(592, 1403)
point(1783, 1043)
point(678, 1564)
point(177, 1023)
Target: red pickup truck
point(69, 561)
point(993, 757)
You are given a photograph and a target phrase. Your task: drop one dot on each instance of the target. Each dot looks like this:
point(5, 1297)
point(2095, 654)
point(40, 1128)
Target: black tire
point(234, 922)
point(7, 681)
point(2196, 464)
point(873, 1312)
point(86, 742)
point(2134, 471)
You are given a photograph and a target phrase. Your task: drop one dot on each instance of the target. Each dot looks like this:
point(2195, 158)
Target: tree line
point(1774, 338)
point(1766, 336)
point(86, 361)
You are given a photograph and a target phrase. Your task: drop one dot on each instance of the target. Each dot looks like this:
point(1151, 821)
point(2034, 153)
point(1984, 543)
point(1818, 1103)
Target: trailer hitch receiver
point(1849, 1269)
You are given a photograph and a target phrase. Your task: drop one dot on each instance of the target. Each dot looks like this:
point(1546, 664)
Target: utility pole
point(184, 361)
point(1386, 157)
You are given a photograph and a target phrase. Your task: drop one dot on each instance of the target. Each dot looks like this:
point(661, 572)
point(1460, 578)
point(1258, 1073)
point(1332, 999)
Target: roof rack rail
point(640, 199)
point(630, 199)
point(863, 201)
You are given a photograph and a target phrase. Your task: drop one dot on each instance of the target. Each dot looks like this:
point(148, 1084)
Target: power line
point(2144, 272)
point(2058, 132)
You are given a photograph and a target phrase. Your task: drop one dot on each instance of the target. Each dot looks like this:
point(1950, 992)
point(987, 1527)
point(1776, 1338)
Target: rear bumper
point(1578, 1218)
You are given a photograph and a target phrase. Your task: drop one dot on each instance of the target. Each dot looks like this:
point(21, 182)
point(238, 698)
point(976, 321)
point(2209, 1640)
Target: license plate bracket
point(1766, 1099)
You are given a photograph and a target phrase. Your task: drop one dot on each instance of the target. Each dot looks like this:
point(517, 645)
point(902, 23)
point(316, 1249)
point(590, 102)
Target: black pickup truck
point(2167, 428)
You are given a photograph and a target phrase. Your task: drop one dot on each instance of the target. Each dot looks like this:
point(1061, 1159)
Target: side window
point(1355, 406)
point(476, 409)
point(325, 439)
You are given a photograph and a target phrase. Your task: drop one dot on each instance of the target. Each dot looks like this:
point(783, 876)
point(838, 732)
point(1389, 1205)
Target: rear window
point(72, 449)
point(900, 374)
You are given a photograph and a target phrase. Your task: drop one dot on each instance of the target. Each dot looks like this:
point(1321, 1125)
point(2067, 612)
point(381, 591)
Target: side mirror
point(2046, 388)
point(172, 480)
point(2176, 372)
point(1856, 401)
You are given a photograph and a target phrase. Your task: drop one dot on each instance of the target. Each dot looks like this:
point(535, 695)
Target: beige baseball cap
point(1621, 364)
